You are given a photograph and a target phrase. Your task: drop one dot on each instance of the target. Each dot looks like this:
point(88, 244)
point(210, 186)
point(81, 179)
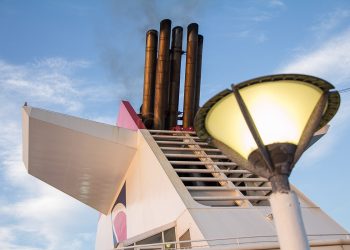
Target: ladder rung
point(205, 188)
point(175, 137)
point(196, 163)
point(196, 156)
point(183, 143)
point(171, 132)
point(226, 171)
point(245, 179)
point(191, 149)
point(202, 163)
point(228, 198)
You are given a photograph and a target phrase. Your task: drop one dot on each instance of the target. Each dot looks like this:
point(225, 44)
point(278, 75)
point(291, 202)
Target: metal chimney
point(162, 75)
point(190, 76)
point(149, 78)
point(198, 74)
point(175, 68)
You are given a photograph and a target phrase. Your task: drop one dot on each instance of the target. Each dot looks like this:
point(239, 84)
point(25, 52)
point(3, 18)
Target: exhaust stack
point(175, 69)
point(160, 107)
point(198, 74)
point(190, 77)
point(162, 76)
point(149, 78)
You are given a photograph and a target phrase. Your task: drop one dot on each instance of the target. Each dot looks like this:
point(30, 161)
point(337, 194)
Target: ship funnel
point(161, 91)
point(190, 77)
point(162, 76)
point(175, 70)
point(198, 74)
point(149, 78)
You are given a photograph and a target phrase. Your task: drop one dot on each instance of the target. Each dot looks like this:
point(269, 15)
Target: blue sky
point(84, 57)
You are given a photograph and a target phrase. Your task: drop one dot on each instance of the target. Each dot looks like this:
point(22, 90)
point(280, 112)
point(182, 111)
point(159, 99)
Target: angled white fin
point(84, 159)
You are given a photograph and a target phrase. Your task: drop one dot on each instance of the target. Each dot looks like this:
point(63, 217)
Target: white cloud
point(251, 34)
point(276, 3)
point(61, 64)
point(48, 80)
point(250, 22)
point(262, 17)
point(5, 234)
point(34, 208)
point(261, 38)
point(49, 215)
point(34, 215)
point(331, 60)
point(330, 21)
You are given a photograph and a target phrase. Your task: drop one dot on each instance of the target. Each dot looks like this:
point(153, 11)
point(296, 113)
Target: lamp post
point(264, 125)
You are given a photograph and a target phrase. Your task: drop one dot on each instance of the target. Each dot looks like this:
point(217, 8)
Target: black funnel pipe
point(190, 76)
point(162, 75)
point(175, 68)
point(149, 78)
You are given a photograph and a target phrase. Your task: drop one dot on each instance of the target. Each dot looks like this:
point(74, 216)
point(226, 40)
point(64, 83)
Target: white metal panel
point(87, 160)
point(151, 199)
point(104, 234)
point(319, 223)
point(215, 222)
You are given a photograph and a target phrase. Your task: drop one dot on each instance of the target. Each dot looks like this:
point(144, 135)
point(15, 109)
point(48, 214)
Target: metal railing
point(237, 242)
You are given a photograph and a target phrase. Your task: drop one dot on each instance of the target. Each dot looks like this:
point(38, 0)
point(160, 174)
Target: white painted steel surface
point(151, 199)
point(288, 221)
point(85, 159)
point(104, 233)
point(156, 196)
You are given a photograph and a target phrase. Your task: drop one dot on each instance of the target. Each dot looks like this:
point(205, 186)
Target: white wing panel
point(87, 160)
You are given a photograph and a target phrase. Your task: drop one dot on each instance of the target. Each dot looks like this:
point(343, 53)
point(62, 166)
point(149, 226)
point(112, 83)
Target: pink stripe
point(128, 118)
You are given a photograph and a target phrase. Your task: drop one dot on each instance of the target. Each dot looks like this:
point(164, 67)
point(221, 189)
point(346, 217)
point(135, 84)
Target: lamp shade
point(280, 107)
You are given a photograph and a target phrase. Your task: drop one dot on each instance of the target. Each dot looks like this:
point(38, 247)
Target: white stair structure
point(210, 177)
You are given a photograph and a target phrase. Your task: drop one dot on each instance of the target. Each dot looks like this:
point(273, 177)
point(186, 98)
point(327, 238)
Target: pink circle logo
point(119, 224)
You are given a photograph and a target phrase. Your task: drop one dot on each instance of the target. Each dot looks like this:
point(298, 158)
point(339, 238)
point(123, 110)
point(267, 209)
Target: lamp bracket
point(251, 125)
point(311, 126)
point(282, 156)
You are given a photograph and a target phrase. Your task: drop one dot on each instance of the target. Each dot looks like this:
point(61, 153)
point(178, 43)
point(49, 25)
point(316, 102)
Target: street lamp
point(264, 125)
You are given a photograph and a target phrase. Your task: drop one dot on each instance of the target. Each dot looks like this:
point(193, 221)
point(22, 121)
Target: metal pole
point(288, 221)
